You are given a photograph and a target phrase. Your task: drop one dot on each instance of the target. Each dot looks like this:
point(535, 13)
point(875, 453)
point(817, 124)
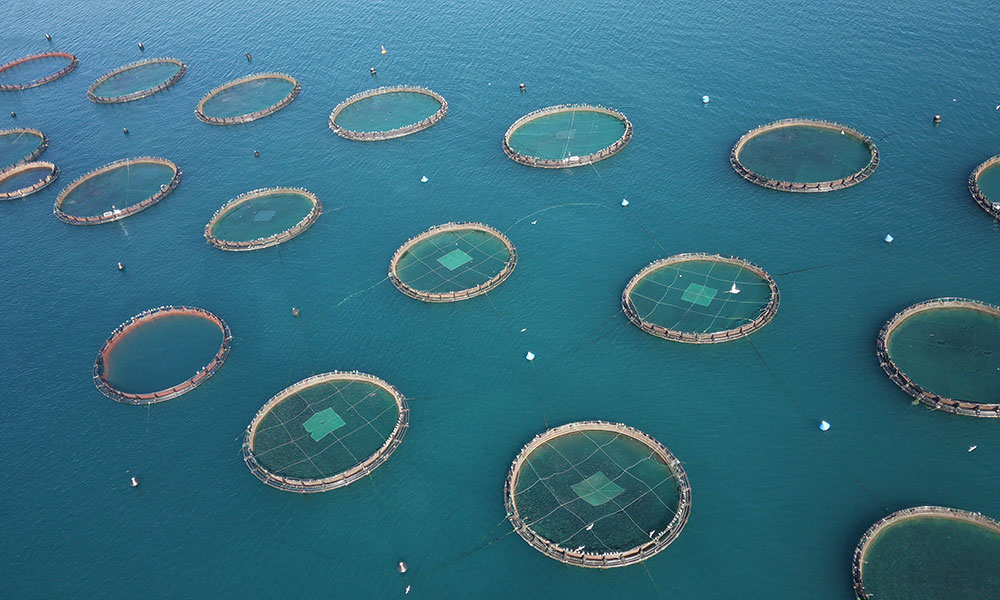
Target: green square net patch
point(597, 489)
point(699, 294)
point(454, 259)
point(323, 424)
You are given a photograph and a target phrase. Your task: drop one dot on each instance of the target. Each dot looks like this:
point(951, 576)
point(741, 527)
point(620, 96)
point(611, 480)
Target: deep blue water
point(777, 505)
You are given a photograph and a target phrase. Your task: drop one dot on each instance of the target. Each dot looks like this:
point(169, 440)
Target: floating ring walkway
point(600, 560)
point(374, 136)
point(914, 389)
point(20, 131)
point(121, 213)
point(453, 296)
point(267, 241)
point(6, 175)
point(861, 550)
point(99, 99)
point(790, 186)
point(356, 472)
point(569, 161)
point(767, 312)
point(992, 208)
point(253, 116)
point(13, 87)
point(173, 391)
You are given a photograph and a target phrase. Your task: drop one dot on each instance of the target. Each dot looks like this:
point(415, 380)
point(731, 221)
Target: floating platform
point(567, 135)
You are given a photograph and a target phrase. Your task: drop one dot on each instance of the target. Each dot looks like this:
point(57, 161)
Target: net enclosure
point(804, 155)
point(928, 553)
point(597, 494)
point(567, 135)
point(160, 354)
point(26, 179)
point(21, 145)
point(136, 80)
point(945, 353)
point(452, 262)
point(35, 70)
point(984, 185)
point(701, 298)
point(326, 431)
point(116, 190)
point(387, 112)
point(262, 218)
point(247, 99)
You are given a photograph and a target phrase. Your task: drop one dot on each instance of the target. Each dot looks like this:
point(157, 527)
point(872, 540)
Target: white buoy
point(134, 482)
point(423, 179)
point(824, 426)
point(888, 238)
point(402, 567)
point(624, 202)
point(705, 99)
point(530, 356)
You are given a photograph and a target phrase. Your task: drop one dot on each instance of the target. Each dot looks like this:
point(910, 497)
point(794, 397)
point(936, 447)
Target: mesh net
point(989, 183)
point(700, 296)
point(124, 185)
point(32, 70)
point(386, 112)
point(564, 134)
point(247, 97)
point(596, 491)
point(136, 79)
point(950, 351)
point(803, 154)
point(452, 260)
point(262, 216)
point(325, 429)
point(16, 146)
point(11, 182)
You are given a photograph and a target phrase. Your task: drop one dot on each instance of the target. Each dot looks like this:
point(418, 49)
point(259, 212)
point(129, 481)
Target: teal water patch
point(116, 189)
point(454, 259)
point(699, 294)
point(248, 97)
point(323, 424)
point(989, 183)
point(262, 217)
point(137, 79)
point(953, 352)
point(14, 147)
point(930, 558)
point(162, 353)
point(597, 489)
point(564, 134)
point(387, 111)
point(804, 154)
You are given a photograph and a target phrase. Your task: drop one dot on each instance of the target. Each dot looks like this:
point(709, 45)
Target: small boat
point(971, 448)
point(589, 527)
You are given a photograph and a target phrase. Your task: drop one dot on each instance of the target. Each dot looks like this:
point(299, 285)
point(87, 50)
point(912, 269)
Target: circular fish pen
point(928, 553)
point(26, 179)
point(136, 80)
point(701, 298)
point(137, 182)
point(984, 185)
point(943, 353)
point(34, 70)
point(387, 112)
point(592, 494)
point(567, 135)
point(325, 432)
point(804, 155)
point(150, 357)
point(21, 145)
point(247, 99)
point(452, 262)
point(262, 218)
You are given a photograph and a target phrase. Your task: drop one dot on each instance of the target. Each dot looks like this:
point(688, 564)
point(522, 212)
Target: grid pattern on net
point(659, 301)
point(541, 136)
point(419, 267)
point(283, 446)
point(624, 522)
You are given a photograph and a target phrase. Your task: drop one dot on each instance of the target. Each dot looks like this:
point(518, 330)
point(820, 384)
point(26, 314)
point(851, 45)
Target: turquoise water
point(262, 217)
point(30, 71)
point(565, 134)
point(954, 352)
point(137, 79)
point(123, 186)
point(247, 97)
point(433, 265)
point(162, 353)
point(929, 558)
point(777, 504)
point(387, 111)
point(23, 180)
point(989, 183)
point(14, 147)
point(804, 154)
